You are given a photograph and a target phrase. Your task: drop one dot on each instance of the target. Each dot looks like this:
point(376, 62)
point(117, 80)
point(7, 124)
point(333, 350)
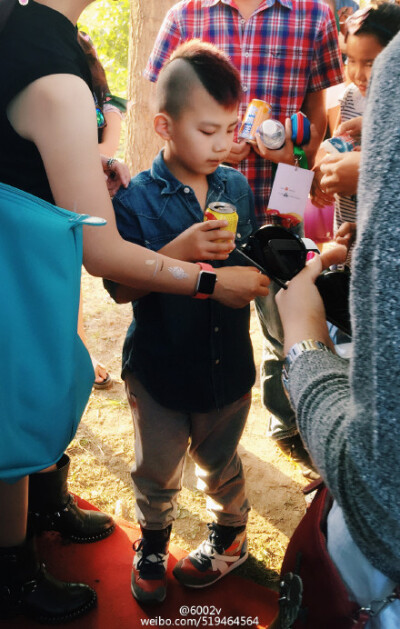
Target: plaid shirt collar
point(264, 5)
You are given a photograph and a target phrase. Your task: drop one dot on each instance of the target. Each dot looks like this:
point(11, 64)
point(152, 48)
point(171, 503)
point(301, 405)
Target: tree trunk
point(142, 143)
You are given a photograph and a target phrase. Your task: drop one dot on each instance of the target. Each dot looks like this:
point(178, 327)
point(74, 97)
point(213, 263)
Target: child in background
point(188, 364)
point(367, 32)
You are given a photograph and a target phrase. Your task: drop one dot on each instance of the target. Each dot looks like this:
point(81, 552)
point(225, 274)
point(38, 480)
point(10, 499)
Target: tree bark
point(142, 143)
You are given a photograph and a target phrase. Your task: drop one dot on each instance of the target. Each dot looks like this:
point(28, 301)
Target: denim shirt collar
point(170, 184)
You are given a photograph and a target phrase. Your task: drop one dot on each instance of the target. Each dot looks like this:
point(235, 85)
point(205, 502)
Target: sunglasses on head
point(101, 121)
point(277, 252)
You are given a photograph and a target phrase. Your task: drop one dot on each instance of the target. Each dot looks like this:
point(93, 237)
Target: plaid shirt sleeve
point(169, 37)
point(326, 67)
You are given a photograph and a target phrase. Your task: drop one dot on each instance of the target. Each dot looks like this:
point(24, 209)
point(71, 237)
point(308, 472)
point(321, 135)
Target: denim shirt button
point(216, 329)
point(186, 190)
point(238, 235)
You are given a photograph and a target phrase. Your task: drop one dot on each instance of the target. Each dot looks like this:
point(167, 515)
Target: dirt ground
point(102, 453)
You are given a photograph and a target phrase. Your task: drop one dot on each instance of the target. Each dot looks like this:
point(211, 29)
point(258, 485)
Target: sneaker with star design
point(224, 550)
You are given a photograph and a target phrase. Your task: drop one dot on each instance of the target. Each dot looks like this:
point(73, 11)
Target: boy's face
point(201, 138)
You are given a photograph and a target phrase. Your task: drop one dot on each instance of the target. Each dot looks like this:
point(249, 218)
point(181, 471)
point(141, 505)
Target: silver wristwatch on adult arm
point(295, 351)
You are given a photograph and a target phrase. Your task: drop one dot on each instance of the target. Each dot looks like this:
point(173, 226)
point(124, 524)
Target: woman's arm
point(198, 242)
point(56, 112)
point(111, 133)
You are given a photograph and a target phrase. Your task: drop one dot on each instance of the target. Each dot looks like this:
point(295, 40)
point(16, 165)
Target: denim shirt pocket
point(170, 223)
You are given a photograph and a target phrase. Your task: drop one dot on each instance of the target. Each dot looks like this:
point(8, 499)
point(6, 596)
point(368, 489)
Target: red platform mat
point(106, 566)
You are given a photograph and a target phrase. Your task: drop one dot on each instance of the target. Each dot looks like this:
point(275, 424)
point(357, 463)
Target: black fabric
point(192, 356)
point(36, 41)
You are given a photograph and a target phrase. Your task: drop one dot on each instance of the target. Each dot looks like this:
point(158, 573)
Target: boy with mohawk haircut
point(188, 363)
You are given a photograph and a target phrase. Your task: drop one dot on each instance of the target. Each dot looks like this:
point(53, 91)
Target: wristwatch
point(308, 345)
point(206, 281)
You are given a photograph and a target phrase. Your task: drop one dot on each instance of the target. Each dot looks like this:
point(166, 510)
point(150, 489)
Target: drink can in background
point(339, 144)
point(272, 134)
point(221, 211)
point(256, 113)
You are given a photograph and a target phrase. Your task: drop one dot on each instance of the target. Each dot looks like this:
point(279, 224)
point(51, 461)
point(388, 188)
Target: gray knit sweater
point(350, 417)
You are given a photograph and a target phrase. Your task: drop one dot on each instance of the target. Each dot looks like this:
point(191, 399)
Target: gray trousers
point(162, 437)
point(282, 420)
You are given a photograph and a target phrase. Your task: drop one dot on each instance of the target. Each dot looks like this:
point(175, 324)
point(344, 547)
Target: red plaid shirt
point(286, 49)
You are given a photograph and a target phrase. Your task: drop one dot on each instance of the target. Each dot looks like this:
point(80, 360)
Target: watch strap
point(204, 268)
point(295, 351)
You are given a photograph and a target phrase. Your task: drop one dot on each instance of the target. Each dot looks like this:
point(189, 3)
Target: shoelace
point(145, 565)
point(211, 546)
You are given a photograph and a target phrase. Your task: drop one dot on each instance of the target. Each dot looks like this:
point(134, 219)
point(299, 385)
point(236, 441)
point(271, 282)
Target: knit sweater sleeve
point(349, 416)
point(319, 391)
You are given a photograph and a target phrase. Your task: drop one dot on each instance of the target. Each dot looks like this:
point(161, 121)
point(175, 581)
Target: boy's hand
point(346, 234)
point(238, 285)
point(340, 173)
point(202, 241)
point(353, 127)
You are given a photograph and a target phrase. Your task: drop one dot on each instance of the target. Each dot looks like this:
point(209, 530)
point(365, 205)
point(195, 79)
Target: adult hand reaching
point(116, 172)
point(236, 285)
point(239, 151)
point(301, 307)
point(346, 234)
point(318, 195)
point(284, 154)
point(340, 173)
point(353, 127)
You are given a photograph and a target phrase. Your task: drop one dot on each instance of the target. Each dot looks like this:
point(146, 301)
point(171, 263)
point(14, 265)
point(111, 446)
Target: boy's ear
point(163, 125)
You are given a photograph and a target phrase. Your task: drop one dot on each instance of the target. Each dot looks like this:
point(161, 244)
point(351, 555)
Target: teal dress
point(46, 373)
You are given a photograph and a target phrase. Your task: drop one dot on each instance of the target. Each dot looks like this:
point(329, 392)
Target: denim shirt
point(191, 355)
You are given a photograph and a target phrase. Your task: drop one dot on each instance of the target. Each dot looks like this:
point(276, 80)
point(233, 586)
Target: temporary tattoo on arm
point(178, 273)
point(158, 265)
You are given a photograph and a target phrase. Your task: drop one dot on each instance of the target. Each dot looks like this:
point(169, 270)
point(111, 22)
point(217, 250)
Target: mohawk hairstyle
point(193, 62)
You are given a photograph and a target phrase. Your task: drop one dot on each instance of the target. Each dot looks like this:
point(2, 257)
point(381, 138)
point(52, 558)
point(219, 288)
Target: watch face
point(206, 283)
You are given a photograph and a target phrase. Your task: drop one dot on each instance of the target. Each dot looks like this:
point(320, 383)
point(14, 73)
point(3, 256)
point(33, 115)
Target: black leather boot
point(27, 588)
point(53, 508)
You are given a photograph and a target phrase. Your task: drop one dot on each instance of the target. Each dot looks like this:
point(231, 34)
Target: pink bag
point(318, 222)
